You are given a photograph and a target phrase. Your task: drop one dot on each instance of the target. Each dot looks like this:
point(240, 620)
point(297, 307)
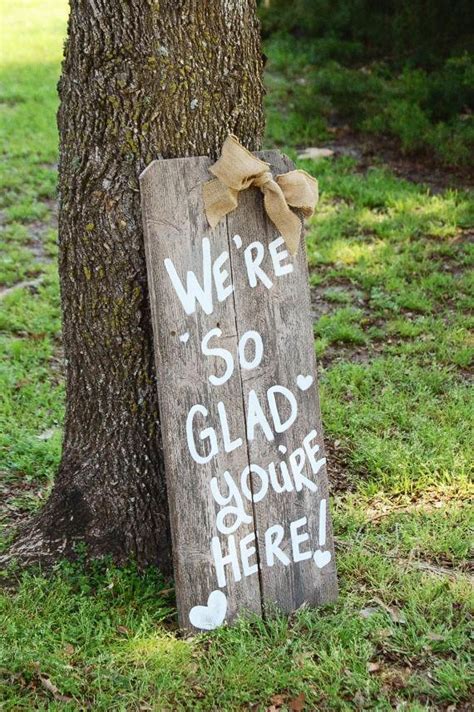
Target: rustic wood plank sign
point(242, 438)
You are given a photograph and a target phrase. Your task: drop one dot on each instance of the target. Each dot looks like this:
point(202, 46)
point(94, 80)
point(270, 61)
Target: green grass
point(390, 274)
point(104, 639)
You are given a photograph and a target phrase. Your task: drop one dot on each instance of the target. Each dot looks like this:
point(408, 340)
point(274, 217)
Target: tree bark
point(141, 79)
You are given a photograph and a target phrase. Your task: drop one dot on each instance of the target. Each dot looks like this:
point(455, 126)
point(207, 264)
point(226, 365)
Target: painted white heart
point(210, 616)
point(304, 382)
point(237, 241)
point(321, 558)
point(282, 448)
point(184, 337)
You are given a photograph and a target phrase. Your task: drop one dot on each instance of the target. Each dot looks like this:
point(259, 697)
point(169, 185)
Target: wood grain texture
point(174, 226)
point(282, 316)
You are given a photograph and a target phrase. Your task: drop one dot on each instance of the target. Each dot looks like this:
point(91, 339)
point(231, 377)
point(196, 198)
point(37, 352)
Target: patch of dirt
point(337, 467)
point(428, 500)
point(350, 352)
point(19, 499)
point(57, 364)
point(36, 243)
point(370, 150)
point(321, 306)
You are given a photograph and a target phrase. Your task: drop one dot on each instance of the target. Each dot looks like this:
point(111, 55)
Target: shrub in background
point(402, 69)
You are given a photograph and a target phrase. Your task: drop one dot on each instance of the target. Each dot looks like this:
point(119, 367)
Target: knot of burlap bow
point(237, 169)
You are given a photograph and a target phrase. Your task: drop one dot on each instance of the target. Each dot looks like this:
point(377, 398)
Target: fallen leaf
point(50, 687)
point(435, 636)
point(123, 630)
point(368, 612)
point(64, 698)
point(373, 667)
point(278, 699)
point(46, 434)
point(69, 649)
point(297, 704)
point(396, 681)
point(314, 153)
point(395, 614)
point(21, 383)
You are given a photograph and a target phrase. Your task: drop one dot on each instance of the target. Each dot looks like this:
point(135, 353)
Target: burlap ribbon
point(237, 169)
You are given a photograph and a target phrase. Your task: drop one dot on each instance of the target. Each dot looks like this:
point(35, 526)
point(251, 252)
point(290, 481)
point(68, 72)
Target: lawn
point(392, 305)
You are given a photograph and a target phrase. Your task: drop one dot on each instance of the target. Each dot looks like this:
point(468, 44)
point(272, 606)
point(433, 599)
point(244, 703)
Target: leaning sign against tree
point(237, 385)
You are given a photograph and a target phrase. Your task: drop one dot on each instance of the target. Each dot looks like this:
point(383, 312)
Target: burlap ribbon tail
point(237, 169)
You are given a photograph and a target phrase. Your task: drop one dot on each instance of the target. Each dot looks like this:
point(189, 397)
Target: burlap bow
point(237, 169)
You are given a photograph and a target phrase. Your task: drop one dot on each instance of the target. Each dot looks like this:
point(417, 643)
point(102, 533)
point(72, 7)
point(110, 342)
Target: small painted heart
point(304, 382)
point(210, 616)
point(321, 558)
point(184, 337)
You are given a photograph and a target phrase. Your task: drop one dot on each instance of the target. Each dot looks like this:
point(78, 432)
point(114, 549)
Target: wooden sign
point(242, 439)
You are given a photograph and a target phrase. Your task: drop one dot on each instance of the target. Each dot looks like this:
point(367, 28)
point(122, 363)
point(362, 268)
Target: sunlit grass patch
point(338, 295)
point(75, 627)
point(158, 651)
point(349, 252)
point(447, 341)
point(400, 245)
point(343, 325)
point(432, 526)
point(406, 426)
point(156, 664)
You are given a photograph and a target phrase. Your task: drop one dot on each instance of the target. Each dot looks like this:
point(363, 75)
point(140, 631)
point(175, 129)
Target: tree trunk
point(141, 79)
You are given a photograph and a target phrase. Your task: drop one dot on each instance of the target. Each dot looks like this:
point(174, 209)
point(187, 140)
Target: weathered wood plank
point(281, 315)
point(175, 225)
